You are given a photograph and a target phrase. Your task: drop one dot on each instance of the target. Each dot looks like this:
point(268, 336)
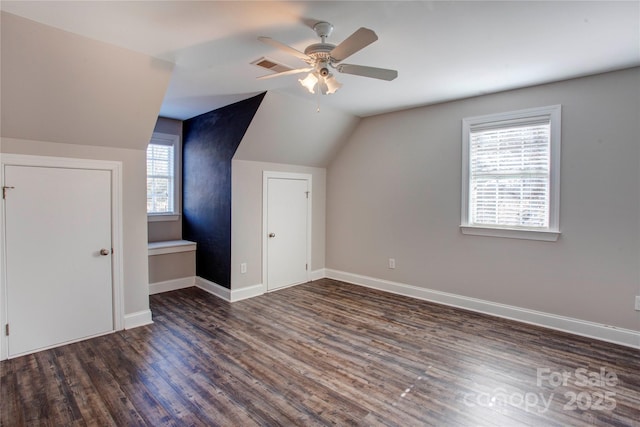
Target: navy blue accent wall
point(209, 142)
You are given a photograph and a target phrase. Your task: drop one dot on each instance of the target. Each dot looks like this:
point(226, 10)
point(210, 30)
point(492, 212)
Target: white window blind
point(510, 175)
point(160, 178)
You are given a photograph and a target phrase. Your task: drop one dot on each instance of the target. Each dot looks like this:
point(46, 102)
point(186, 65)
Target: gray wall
point(394, 191)
point(171, 266)
point(246, 218)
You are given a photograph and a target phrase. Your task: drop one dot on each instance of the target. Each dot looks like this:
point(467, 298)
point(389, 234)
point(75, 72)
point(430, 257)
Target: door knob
point(272, 234)
point(104, 252)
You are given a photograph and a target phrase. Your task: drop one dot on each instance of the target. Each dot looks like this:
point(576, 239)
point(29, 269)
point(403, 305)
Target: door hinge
point(306, 266)
point(4, 191)
point(307, 193)
point(6, 329)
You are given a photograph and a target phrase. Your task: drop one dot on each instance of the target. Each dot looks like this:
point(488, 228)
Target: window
point(510, 174)
point(162, 176)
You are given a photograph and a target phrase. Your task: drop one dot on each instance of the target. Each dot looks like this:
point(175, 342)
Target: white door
point(287, 231)
point(58, 283)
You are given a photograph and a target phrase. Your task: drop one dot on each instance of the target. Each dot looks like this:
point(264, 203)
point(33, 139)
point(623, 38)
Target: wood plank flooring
point(323, 353)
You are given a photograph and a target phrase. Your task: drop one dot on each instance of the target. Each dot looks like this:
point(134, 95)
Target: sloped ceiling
point(60, 87)
point(443, 50)
point(288, 129)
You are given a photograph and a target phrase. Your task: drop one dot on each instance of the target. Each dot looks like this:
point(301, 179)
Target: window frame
point(508, 119)
point(173, 141)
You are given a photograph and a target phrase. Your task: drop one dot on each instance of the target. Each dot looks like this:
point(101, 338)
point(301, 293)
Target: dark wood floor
point(323, 353)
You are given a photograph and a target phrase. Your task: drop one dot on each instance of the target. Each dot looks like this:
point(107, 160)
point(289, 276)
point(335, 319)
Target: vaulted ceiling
point(442, 50)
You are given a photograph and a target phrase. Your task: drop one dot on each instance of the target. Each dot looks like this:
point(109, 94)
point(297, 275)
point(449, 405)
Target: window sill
point(510, 233)
point(162, 217)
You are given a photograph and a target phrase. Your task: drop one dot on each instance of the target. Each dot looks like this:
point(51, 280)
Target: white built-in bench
point(171, 247)
point(172, 265)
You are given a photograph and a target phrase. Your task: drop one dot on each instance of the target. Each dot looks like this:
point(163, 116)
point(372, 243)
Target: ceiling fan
point(323, 57)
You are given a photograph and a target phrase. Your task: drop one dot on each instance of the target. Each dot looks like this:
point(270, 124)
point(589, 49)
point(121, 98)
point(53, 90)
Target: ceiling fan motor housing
point(321, 54)
point(319, 50)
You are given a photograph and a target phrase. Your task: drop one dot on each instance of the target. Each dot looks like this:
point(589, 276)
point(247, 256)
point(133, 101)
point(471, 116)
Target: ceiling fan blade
point(286, 73)
point(373, 72)
point(284, 47)
point(362, 38)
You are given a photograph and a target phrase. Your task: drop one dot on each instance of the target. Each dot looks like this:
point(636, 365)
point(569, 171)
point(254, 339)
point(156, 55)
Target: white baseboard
point(248, 292)
point(228, 294)
point(171, 285)
point(317, 274)
point(626, 337)
point(213, 288)
point(139, 318)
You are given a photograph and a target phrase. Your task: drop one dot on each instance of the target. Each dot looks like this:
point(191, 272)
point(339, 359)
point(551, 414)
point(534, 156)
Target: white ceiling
point(443, 50)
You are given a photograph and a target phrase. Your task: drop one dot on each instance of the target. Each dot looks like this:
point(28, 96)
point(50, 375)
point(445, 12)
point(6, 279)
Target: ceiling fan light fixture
point(309, 82)
point(322, 86)
point(332, 84)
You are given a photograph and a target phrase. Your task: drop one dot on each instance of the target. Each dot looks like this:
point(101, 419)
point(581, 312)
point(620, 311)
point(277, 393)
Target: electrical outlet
point(638, 303)
point(243, 267)
point(392, 263)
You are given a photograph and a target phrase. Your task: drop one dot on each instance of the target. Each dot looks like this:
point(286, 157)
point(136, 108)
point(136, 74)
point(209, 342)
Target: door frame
point(266, 175)
point(115, 169)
